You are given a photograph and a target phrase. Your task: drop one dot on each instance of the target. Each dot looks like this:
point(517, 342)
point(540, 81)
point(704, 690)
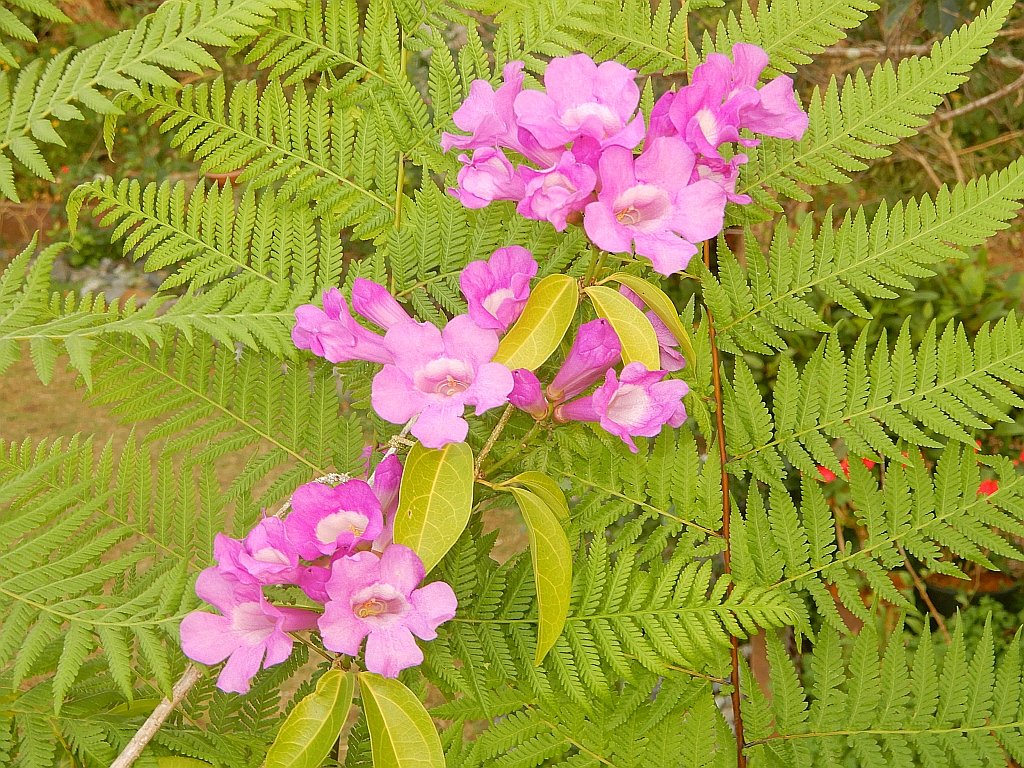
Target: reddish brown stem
point(734, 650)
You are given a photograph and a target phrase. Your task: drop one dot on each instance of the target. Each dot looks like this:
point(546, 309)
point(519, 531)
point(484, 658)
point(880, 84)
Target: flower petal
point(389, 651)
point(206, 637)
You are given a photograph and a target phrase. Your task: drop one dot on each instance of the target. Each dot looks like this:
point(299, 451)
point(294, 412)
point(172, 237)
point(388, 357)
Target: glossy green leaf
point(539, 330)
point(636, 334)
point(312, 728)
point(435, 500)
point(661, 305)
point(402, 735)
point(546, 488)
point(552, 567)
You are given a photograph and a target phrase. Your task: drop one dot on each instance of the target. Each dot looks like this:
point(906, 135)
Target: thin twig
point(734, 643)
point(922, 590)
point(1015, 87)
point(495, 433)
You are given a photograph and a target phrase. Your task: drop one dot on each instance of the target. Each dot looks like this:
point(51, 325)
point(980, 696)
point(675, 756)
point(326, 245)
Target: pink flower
point(250, 633)
point(557, 192)
point(377, 598)
point(526, 393)
point(671, 358)
point(387, 481)
point(496, 290)
point(648, 204)
point(583, 99)
point(723, 98)
point(266, 555)
point(436, 375)
point(595, 349)
point(326, 519)
point(725, 173)
point(638, 403)
point(333, 334)
point(486, 177)
point(826, 474)
point(372, 301)
point(487, 114)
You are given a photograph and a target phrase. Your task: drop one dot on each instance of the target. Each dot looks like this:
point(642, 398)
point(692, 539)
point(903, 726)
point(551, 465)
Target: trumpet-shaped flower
point(436, 374)
point(485, 177)
point(496, 290)
point(595, 349)
point(379, 599)
point(668, 345)
point(266, 555)
point(387, 481)
point(372, 301)
point(249, 632)
point(333, 334)
point(487, 114)
point(326, 519)
point(583, 99)
point(556, 193)
point(637, 403)
point(649, 204)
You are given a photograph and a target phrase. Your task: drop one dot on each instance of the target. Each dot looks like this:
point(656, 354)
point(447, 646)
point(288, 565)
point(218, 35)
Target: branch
point(1015, 87)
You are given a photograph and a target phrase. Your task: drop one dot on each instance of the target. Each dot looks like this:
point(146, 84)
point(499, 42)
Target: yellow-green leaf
point(312, 728)
point(546, 488)
point(635, 332)
point(181, 762)
point(552, 567)
point(539, 330)
point(435, 500)
point(661, 305)
point(402, 735)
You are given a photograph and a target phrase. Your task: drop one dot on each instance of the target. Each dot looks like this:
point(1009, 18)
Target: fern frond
point(867, 115)
point(861, 258)
point(929, 514)
point(790, 30)
point(944, 389)
point(172, 37)
point(866, 708)
point(12, 26)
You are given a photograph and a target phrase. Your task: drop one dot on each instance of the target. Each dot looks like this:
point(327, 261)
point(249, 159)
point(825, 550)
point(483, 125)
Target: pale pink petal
point(389, 651)
point(278, 647)
point(700, 211)
point(667, 252)
point(207, 638)
point(240, 669)
point(393, 395)
point(602, 228)
point(413, 345)
point(440, 423)
point(570, 80)
point(465, 340)
point(616, 172)
point(341, 630)
point(224, 591)
point(435, 604)
point(666, 163)
point(402, 568)
point(350, 573)
point(372, 301)
point(490, 388)
point(297, 619)
point(750, 62)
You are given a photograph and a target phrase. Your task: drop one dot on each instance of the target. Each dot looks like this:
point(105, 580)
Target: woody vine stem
point(734, 650)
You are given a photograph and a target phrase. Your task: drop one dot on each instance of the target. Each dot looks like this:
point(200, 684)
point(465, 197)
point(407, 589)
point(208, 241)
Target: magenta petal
point(350, 573)
point(413, 345)
point(441, 423)
point(341, 630)
point(297, 619)
point(278, 647)
point(206, 637)
point(667, 163)
point(402, 568)
point(465, 340)
point(223, 591)
point(389, 651)
point(393, 396)
point(241, 669)
point(372, 301)
point(700, 211)
point(435, 604)
point(602, 228)
point(490, 388)
point(667, 252)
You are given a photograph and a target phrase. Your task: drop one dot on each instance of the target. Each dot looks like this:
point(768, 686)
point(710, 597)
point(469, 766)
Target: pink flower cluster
point(335, 545)
point(428, 374)
point(578, 138)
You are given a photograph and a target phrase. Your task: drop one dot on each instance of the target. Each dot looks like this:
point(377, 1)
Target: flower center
point(379, 604)
point(446, 377)
point(343, 521)
point(643, 207)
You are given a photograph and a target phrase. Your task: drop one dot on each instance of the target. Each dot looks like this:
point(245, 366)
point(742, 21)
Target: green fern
point(12, 25)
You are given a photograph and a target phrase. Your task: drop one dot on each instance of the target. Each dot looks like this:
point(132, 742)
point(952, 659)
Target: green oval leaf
point(636, 334)
point(539, 330)
point(661, 305)
point(552, 567)
point(313, 726)
point(402, 735)
point(546, 488)
point(435, 500)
